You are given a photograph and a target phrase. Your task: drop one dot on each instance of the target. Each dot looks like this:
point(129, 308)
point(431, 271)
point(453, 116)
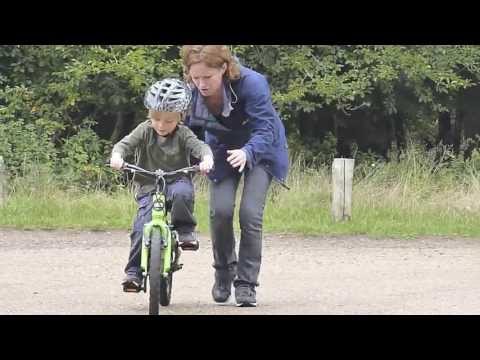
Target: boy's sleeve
point(197, 130)
point(129, 143)
point(193, 145)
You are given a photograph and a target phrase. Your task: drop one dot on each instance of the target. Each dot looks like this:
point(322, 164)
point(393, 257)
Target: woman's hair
point(211, 55)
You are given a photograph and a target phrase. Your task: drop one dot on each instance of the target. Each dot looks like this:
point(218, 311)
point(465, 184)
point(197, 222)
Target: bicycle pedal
point(177, 267)
point(190, 246)
point(131, 290)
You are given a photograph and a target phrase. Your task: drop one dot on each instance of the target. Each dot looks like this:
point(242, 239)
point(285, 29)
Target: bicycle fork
point(169, 244)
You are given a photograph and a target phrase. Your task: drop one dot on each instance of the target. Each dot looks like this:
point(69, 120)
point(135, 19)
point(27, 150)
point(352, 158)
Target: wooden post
point(342, 176)
point(3, 182)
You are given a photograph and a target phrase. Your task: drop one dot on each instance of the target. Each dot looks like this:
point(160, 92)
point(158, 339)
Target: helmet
point(170, 95)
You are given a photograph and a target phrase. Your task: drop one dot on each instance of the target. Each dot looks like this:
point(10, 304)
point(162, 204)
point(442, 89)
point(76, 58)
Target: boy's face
point(164, 123)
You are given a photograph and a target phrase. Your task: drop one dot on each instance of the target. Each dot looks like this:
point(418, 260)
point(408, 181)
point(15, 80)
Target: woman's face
point(208, 80)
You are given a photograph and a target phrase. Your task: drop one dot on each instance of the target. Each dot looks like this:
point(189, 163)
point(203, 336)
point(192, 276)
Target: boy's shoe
point(132, 283)
point(245, 295)
point(188, 241)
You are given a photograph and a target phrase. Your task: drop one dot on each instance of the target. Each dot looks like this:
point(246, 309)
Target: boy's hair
point(168, 95)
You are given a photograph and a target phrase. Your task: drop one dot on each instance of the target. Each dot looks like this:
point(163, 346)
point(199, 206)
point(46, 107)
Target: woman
point(232, 106)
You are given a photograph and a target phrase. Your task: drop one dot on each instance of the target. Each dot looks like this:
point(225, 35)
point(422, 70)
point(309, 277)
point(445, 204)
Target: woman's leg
point(257, 182)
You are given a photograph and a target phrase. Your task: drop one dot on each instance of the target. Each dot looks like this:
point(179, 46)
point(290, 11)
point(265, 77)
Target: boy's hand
point(116, 161)
point(206, 165)
point(237, 158)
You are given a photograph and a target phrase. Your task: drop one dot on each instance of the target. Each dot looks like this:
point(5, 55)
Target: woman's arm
point(262, 115)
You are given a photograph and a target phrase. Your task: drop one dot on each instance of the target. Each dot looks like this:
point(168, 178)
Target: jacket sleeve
point(193, 145)
point(260, 111)
point(197, 130)
point(129, 143)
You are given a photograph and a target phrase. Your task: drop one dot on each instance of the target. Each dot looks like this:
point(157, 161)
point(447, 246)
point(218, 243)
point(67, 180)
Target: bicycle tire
point(155, 271)
point(166, 289)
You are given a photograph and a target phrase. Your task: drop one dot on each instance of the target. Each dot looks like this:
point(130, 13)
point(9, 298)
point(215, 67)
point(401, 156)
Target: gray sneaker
point(245, 295)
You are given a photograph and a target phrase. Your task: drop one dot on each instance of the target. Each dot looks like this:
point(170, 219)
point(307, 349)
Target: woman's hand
point(237, 158)
point(206, 165)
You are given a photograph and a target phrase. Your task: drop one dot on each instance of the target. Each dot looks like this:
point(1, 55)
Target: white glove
point(116, 161)
point(206, 165)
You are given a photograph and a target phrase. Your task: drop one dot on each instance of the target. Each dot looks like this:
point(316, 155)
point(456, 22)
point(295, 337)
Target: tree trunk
point(400, 132)
point(445, 134)
point(458, 130)
point(118, 129)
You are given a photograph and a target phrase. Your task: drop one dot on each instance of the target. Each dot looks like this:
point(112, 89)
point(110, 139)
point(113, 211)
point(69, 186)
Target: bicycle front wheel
point(155, 271)
point(160, 286)
point(166, 289)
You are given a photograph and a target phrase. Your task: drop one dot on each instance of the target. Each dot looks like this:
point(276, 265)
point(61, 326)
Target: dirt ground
point(79, 272)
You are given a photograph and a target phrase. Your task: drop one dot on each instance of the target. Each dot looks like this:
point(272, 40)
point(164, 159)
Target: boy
point(162, 143)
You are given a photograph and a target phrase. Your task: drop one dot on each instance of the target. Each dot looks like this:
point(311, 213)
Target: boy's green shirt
point(153, 152)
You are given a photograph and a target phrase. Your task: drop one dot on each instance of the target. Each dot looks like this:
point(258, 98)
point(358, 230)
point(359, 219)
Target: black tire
point(155, 272)
point(166, 289)
point(160, 286)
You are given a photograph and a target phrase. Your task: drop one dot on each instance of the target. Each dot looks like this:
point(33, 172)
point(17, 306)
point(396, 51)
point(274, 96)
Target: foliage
point(59, 104)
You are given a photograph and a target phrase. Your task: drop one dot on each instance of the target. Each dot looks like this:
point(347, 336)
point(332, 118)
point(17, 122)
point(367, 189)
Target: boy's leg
point(144, 215)
point(181, 194)
point(222, 205)
point(257, 182)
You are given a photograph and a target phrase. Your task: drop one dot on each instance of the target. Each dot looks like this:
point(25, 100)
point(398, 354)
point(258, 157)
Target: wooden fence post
point(342, 177)
point(3, 182)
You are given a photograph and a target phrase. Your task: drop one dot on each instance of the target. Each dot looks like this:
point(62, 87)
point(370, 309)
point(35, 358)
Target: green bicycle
point(160, 245)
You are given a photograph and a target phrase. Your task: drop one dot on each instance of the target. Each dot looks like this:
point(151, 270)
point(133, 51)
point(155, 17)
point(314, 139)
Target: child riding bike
point(161, 142)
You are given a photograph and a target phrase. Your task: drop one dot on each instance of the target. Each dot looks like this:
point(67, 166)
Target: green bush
point(83, 162)
point(53, 97)
point(25, 138)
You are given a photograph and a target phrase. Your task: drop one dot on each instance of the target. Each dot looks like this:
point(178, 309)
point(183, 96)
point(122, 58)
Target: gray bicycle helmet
point(169, 95)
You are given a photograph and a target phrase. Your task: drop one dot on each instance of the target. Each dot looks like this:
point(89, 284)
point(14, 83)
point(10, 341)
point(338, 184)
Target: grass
point(408, 198)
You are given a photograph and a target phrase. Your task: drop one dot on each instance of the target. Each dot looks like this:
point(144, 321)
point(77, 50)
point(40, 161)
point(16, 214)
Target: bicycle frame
point(159, 222)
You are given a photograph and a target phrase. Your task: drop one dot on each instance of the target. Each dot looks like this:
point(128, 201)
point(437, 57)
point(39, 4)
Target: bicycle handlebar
point(160, 173)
